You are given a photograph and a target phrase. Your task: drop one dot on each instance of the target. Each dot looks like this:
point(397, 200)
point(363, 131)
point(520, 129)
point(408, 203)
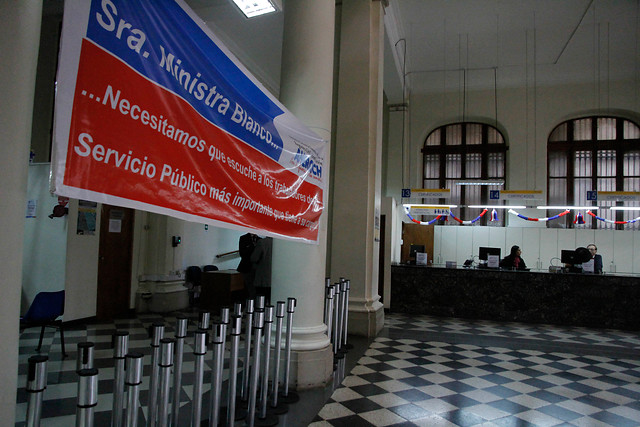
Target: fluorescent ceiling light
point(253, 8)
point(411, 205)
point(481, 182)
point(625, 208)
point(564, 208)
point(497, 207)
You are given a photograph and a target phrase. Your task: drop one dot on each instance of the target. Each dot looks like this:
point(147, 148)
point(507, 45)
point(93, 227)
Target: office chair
point(44, 311)
point(192, 278)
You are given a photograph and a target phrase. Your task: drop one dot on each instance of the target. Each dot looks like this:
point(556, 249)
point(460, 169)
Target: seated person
point(597, 258)
point(513, 261)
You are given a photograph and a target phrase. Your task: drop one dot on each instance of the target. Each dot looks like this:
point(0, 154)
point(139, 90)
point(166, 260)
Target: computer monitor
point(414, 249)
point(568, 257)
point(484, 252)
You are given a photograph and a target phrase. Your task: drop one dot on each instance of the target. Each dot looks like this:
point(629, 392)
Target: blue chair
point(44, 311)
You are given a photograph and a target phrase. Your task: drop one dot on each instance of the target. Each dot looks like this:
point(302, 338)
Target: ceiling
point(485, 42)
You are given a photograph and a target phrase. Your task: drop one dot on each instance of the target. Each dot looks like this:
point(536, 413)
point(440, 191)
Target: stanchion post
point(263, 419)
point(85, 355)
point(216, 375)
point(236, 330)
point(36, 384)
point(165, 364)
point(87, 396)
point(343, 298)
point(203, 320)
point(346, 315)
point(180, 335)
point(200, 351)
point(329, 311)
point(336, 317)
point(291, 308)
point(258, 325)
point(244, 388)
point(157, 334)
point(280, 308)
point(120, 342)
point(133, 364)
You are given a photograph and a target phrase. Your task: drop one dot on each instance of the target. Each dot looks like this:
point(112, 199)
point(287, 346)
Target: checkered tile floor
point(427, 371)
point(419, 371)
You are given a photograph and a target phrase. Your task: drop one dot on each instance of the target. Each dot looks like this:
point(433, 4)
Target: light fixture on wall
point(564, 208)
point(253, 8)
point(497, 206)
point(481, 182)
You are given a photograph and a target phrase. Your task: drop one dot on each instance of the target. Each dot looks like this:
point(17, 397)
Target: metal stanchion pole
point(327, 283)
point(341, 308)
point(85, 355)
point(180, 335)
point(216, 375)
point(133, 362)
point(203, 320)
point(87, 396)
point(165, 364)
point(244, 388)
point(258, 325)
point(278, 407)
point(265, 419)
point(120, 342)
point(36, 384)
point(336, 317)
point(200, 351)
point(329, 312)
point(260, 301)
point(346, 317)
point(236, 330)
point(157, 333)
point(237, 309)
point(289, 396)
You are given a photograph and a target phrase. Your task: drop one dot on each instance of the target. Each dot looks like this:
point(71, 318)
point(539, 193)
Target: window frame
point(570, 146)
point(484, 148)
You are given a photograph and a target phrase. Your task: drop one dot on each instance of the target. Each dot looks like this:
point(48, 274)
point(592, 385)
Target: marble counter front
point(600, 301)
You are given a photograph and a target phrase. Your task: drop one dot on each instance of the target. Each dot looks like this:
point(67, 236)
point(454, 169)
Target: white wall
point(45, 240)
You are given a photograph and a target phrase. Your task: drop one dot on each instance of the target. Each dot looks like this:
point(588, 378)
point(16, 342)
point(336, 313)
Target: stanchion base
point(280, 409)
point(291, 397)
point(267, 421)
point(241, 414)
point(339, 355)
point(348, 346)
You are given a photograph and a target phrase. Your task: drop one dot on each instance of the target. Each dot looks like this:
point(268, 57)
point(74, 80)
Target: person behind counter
point(597, 258)
point(513, 261)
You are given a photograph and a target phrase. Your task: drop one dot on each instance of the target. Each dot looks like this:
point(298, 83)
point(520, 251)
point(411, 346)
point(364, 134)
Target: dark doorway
point(114, 262)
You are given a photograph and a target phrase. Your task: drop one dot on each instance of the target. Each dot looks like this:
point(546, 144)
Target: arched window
point(459, 153)
point(593, 153)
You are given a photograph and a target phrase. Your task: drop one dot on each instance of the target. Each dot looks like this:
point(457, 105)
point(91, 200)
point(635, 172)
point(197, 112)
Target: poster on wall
point(154, 113)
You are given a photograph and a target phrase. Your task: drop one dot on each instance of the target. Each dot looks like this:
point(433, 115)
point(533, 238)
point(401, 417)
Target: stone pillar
point(358, 157)
point(298, 268)
point(19, 41)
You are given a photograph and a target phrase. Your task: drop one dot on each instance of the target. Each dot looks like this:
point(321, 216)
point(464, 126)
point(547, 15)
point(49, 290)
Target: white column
point(19, 41)
point(355, 236)
point(299, 269)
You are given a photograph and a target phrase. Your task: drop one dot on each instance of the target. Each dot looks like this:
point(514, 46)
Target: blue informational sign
point(592, 195)
point(406, 192)
point(494, 194)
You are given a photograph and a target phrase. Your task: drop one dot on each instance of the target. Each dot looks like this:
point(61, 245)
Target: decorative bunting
point(494, 215)
point(484, 211)
point(406, 210)
point(609, 221)
point(511, 211)
point(579, 219)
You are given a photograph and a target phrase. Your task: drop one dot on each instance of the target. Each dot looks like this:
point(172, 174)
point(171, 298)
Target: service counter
point(599, 301)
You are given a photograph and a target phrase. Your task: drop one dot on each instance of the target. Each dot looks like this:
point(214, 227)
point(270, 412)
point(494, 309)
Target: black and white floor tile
point(420, 370)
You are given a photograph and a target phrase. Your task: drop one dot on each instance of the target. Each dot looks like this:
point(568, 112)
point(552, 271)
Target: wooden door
point(416, 234)
point(114, 263)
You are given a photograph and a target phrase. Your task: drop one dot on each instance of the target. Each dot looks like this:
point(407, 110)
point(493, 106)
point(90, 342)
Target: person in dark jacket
point(513, 261)
point(597, 258)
